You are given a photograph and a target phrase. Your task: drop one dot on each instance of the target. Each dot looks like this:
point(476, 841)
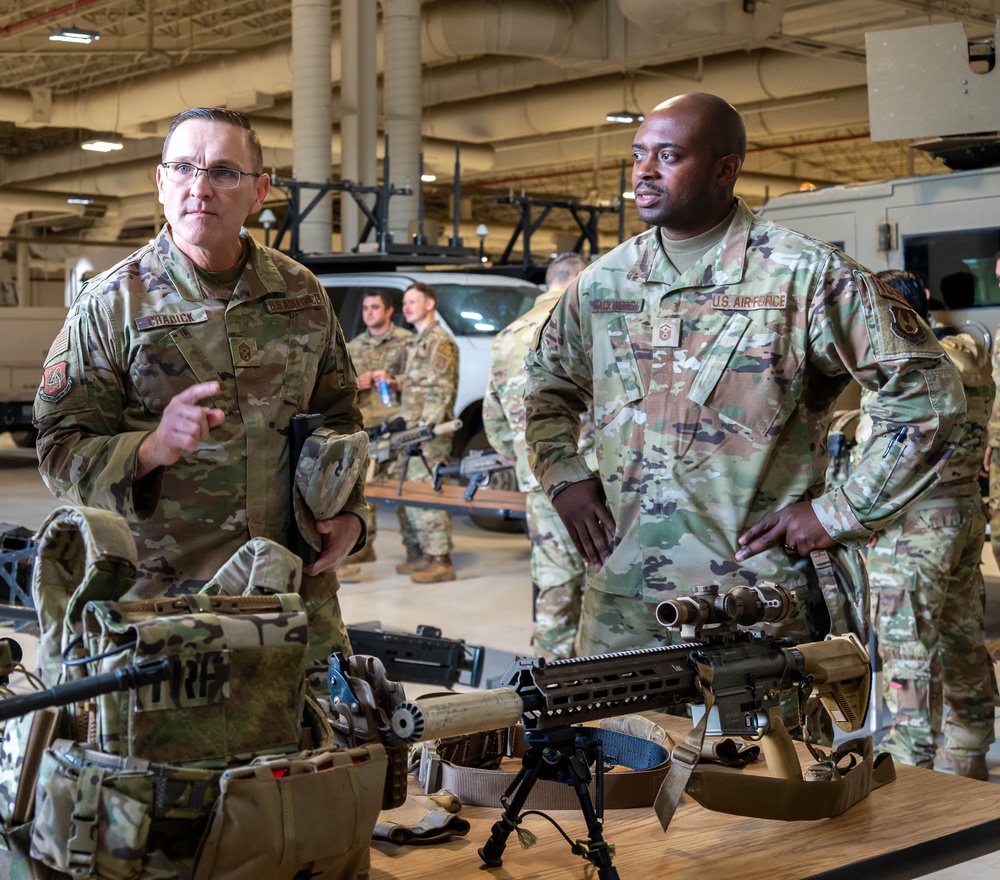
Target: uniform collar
point(723, 265)
point(260, 277)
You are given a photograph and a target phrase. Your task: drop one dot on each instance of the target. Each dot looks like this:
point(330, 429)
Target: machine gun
point(476, 467)
point(737, 674)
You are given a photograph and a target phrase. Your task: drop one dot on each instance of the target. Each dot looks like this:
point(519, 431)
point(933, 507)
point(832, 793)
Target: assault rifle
point(476, 467)
point(394, 440)
point(738, 674)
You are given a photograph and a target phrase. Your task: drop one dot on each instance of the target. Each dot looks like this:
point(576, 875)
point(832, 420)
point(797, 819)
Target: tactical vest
point(225, 768)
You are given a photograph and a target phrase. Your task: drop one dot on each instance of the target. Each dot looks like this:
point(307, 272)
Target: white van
point(944, 226)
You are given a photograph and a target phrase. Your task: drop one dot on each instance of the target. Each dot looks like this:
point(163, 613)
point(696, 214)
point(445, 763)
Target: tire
point(505, 480)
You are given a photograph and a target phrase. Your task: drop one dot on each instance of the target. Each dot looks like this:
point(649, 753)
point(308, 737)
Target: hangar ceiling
point(522, 85)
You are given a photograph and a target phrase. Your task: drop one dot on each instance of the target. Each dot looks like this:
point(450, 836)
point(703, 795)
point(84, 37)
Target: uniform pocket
point(750, 376)
point(617, 378)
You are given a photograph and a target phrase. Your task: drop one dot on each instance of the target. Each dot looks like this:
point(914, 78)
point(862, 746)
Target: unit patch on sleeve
point(906, 325)
point(55, 382)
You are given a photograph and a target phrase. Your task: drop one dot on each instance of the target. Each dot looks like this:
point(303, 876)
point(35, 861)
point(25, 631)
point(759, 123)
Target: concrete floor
point(488, 605)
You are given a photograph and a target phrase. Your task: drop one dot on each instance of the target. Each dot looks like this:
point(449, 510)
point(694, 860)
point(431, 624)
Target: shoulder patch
point(59, 344)
point(906, 325)
point(56, 382)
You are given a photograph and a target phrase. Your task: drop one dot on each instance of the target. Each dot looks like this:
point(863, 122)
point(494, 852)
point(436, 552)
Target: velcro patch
point(55, 382)
point(906, 325)
point(148, 322)
point(293, 304)
point(616, 305)
point(245, 352)
point(195, 680)
point(59, 344)
point(744, 302)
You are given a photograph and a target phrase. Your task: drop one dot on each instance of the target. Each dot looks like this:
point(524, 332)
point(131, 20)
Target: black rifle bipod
point(562, 755)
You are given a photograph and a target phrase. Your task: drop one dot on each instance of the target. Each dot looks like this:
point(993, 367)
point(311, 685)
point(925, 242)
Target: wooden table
point(495, 502)
point(922, 822)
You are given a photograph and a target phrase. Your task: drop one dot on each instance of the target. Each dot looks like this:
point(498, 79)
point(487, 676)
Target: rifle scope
point(740, 606)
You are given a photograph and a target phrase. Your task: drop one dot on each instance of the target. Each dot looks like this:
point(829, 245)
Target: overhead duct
point(744, 78)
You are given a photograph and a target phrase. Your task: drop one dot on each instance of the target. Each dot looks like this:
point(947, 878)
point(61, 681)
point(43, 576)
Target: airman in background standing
point(379, 355)
point(557, 571)
point(928, 594)
point(991, 460)
point(429, 388)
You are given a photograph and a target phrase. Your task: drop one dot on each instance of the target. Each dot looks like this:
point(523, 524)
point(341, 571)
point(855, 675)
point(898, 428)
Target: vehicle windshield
point(482, 310)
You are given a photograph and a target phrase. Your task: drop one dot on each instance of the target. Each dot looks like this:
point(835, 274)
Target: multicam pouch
point(318, 809)
point(237, 684)
point(90, 821)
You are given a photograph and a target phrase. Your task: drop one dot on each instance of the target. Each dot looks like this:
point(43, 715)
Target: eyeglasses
point(220, 178)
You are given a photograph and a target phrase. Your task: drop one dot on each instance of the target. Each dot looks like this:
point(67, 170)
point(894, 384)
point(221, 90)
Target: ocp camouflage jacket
point(713, 391)
point(139, 334)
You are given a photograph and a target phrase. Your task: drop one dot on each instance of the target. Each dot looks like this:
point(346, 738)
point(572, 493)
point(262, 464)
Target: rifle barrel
point(126, 678)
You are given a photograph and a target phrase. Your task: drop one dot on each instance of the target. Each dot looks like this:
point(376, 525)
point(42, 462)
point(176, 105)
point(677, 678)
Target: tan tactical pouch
point(237, 684)
point(276, 816)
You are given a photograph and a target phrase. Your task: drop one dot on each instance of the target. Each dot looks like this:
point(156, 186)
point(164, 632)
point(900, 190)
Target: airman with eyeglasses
point(170, 393)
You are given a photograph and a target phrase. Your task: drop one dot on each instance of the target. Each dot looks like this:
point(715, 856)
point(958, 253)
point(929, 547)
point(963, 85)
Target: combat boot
point(438, 570)
point(415, 560)
point(969, 766)
point(349, 574)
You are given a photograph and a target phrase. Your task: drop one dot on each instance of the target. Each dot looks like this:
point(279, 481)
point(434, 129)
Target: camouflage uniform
point(993, 434)
point(430, 385)
point(928, 595)
point(154, 325)
point(557, 571)
point(712, 395)
point(386, 352)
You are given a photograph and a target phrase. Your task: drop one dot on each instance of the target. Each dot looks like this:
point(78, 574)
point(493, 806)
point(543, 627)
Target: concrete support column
point(359, 97)
point(403, 101)
point(312, 120)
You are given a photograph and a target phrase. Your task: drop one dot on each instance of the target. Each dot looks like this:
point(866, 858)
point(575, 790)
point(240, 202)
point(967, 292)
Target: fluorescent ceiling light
point(99, 146)
point(428, 178)
point(78, 201)
point(74, 35)
point(628, 194)
point(624, 116)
